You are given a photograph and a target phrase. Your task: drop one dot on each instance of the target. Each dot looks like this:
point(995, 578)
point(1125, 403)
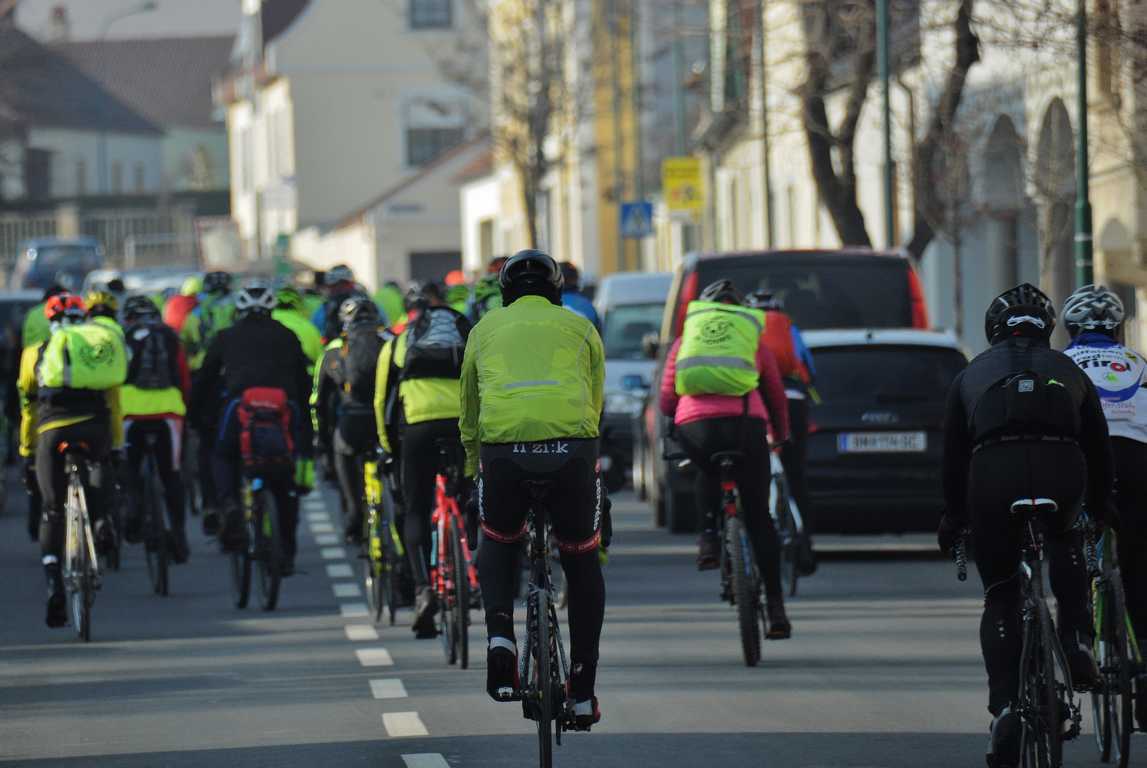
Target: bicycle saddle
point(1036, 506)
point(732, 457)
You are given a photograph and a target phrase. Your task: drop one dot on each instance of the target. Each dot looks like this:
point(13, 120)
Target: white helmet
point(255, 296)
point(1092, 307)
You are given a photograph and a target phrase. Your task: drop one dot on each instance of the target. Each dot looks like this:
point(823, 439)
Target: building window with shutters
point(434, 123)
point(431, 14)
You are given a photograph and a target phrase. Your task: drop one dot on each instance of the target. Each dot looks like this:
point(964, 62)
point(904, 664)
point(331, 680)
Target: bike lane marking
point(400, 725)
point(346, 589)
point(374, 657)
point(333, 553)
point(358, 633)
point(353, 610)
point(387, 688)
point(326, 539)
point(317, 528)
point(425, 760)
point(339, 571)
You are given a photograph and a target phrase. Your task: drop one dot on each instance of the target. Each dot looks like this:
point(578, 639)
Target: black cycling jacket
point(1012, 356)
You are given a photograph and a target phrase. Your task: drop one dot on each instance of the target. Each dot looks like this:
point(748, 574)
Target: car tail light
point(916, 297)
point(813, 427)
point(688, 294)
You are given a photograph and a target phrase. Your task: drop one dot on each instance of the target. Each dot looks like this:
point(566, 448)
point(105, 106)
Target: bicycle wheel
point(461, 597)
point(746, 589)
point(1051, 713)
point(790, 540)
point(1116, 665)
point(156, 540)
point(545, 692)
point(82, 580)
point(241, 578)
point(439, 578)
point(269, 546)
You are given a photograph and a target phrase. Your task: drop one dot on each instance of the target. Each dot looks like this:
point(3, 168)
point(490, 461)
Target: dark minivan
point(846, 288)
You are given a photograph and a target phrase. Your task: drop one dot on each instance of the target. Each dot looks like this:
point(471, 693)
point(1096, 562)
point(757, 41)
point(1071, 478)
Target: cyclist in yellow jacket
point(531, 389)
point(291, 312)
point(69, 392)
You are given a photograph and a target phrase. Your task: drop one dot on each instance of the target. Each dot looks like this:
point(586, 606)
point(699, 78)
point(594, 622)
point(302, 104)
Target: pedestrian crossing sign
point(636, 220)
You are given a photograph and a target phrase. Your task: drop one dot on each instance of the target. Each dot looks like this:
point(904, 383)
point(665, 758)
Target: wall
point(99, 150)
point(188, 152)
point(479, 203)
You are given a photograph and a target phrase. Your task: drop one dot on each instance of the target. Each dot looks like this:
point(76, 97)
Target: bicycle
point(788, 522)
point(1045, 703)
point(383, 549)
point(1117, 651)
point(452, 574)
point(150, 509)
point(81, 566)
point(264, 544)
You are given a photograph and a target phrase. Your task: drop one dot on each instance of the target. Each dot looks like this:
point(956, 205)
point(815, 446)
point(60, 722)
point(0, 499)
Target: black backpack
point(435, 344)
point(152, 365)
point(359, 362)
point(1022, 404)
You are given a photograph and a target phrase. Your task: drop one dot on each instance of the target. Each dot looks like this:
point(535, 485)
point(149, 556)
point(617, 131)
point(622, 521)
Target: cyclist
point(154, 404)
point(1094, 317)
point(572, 297)
point(343, 401)
point(1023, 421)
point(103, 307)
point(338, 286)
point(390, 302)
point(36, 328)
point(289, 311)
point(180, 306)
point(255, 352)
point(487, 292)
point(794, 361)
point(418, 376)
point(70, 387)
point(457, 290)
point(722, 388)
point(532, 395)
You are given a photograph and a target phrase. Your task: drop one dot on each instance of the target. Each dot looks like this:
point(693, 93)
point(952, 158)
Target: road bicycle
point(150, 505)
point(1117, 650)
point(788, 522)
point(452, 574)
point(383, 551)
point(264, 550)
point(1047, 710)
point(81, 566)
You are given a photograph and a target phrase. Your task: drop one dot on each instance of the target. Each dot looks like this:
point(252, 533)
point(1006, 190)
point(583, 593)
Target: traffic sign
point(636, 220)
point(681, 183)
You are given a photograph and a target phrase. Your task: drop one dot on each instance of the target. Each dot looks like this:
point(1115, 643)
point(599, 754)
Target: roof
point(167, 80)
point(276, 16)
point(480, 166)
point(877, 337)
point(44, 89)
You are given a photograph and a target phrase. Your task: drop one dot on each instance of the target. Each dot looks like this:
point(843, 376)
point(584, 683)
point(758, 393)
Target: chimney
point(60, 26)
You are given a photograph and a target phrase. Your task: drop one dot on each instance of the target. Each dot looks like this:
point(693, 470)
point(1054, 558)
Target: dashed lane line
point(318, 517)
point(425, 760)
point(339, 571)
point(403, 725)
point(326, 539)
point(322, 528)
point(353, 610)
point(387, 688)
point(358, 633)
point(374, 657)
point(332, 553)
point(346, 589)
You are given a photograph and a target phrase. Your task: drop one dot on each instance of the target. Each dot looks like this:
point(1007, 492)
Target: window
point(81, 177)
point(486, 240)
point(117, 177)
point(431, 14)
point(423, 145)
point(139, 180)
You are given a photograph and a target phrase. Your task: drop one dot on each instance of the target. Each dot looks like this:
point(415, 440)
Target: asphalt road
point(883, 670)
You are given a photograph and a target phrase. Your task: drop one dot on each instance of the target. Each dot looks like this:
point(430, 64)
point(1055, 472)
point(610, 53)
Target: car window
point(885, 373)
point(834, 293)
point(625, 325)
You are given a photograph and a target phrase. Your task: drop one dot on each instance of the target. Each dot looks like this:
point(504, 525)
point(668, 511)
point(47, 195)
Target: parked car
point(850, 288)
point(876, 428)
point(49, 260)
point(630, 305)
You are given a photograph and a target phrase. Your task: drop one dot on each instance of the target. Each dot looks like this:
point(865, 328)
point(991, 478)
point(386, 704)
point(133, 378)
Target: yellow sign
point(681, 183)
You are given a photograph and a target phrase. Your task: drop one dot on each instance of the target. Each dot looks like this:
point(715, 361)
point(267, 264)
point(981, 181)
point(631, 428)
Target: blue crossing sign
point(636, 220)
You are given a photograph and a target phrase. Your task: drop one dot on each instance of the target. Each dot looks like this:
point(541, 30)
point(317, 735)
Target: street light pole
point(882, 56)
point(1084, 269)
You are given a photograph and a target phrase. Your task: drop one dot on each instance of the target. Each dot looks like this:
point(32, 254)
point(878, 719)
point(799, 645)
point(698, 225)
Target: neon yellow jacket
point(532, 371)
point(36, 327)
point(309, 336)
point(423, 399)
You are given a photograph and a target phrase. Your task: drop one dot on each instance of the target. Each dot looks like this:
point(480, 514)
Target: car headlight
point(626, 403)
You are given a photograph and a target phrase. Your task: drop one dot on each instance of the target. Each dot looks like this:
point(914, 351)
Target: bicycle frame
point(1109, 569)
point(446, 509)
point(77, 519)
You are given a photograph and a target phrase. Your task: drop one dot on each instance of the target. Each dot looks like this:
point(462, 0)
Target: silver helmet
point(1091, 308)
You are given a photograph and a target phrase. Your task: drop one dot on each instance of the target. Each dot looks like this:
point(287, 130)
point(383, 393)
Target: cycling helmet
point(102, 303)
point(421, 293)
point(1023, 310)
point(138, 308)
point(338, 274)
point(65, 308)
point(722, 291)
point(217, 282)
point(530, 267)
point(1092, 308)
point(288, 297)
point(191, 286)
point(766, 301)
point(255, 297)
point(359, 310)
point(495, 265)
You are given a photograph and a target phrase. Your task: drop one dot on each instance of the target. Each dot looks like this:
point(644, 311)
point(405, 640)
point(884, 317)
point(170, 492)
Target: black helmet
point(530, 272)
point(217, 282)
point(766, 301)
point(722, 291)
point(340, 273)
point(421, 293)
point(1024, 309)
point(358, 310)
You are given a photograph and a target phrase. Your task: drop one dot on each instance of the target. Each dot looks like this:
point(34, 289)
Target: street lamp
point(147, 6)
point(1084, 272)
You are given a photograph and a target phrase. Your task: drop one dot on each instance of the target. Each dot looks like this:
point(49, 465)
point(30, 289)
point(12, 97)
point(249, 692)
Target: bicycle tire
point(461, 598)
point(241, 578)
point(156, 541)
point(746, 589)
point(445, 593)
point(542, 670)
point(790, 541)
point(269, 564)
point(1050, 713)
point(82, 588)
point(1120, 652)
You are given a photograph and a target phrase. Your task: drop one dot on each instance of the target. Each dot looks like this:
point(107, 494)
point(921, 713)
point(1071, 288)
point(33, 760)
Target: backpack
point(151, 365)
point(435, 344)
point(359, 362)
point(84, 356)
point(266, 442)
point(1024, 403)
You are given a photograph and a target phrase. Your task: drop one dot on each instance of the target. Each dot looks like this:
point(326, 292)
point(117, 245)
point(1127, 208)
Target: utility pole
point(766, 173)
point(635, 80)
point(882, 56)
point(678, 81)
point(1084, 271)
point(614, 28)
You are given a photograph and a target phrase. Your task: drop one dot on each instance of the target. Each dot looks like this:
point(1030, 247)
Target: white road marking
point(314, 505)
point(322, 528)
point(388, 688)
point(359, 632)
point(374, 657)
point(426, 760)
point(401, 725)
point(353, 610)
point(346, 589)
point(318, 517)
point(339, 571)
point(332, 553)
point(326, 539)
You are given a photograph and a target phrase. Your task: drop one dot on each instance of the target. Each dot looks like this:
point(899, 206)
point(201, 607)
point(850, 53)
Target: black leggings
point(999, 475)
point(793, 456)
point(95, 434)
point(420, 463)
point(701, 439)
point(1131, 498)
point(165, 435)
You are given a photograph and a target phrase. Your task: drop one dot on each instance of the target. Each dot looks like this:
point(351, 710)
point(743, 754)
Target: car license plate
point(882, 442)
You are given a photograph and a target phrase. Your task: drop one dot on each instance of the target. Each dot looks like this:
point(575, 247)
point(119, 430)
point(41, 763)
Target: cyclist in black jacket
point(1024, 421)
